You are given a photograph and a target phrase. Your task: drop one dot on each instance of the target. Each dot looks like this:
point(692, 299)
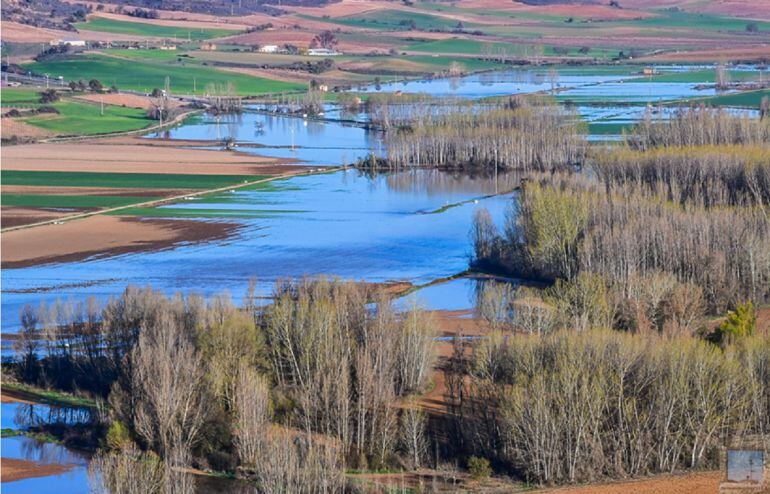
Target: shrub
point(479, 467)
point(740, 323)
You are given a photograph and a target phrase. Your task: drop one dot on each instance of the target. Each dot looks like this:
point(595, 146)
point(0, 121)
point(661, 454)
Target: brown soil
point(10, 397)
point(11, 469)
point(19, 128)
point(124, 99)
point(103, 236)
point(344, 8)
point(736, 8)
point(22, 33)
point(134, 155)
point(723, 54)
point(693, 483)
point(15, 216)
point(208, 22)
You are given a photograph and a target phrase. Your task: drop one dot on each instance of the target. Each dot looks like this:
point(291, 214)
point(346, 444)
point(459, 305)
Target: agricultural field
point(185, 78)
point(74, 117)
point(744, 99)
point(106, 25)
point(392, 20)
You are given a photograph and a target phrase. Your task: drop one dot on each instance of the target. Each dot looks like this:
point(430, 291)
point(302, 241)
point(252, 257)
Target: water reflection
point(19, 416)
point(315, 142)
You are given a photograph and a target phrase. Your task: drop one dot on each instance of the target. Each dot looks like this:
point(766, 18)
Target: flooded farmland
point(409, 226)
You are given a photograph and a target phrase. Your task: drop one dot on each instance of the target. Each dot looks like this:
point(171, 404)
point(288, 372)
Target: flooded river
point(409, 226)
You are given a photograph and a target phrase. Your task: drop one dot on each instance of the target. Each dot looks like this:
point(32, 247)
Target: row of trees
point(694, 212)
point(515, 134)
point(583, 406)
point(288, 396)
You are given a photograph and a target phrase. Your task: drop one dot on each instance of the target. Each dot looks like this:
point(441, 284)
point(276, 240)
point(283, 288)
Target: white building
point(68, 42)
point(322, 52)
point(268, 49)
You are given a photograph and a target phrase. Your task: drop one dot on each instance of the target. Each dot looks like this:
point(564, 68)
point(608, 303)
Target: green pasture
point(123, 180)
point(106, 25)
point(69, 201)
point(145, 75)
point(76, 118)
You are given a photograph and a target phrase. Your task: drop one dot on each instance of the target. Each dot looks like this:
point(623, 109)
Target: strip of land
point(13, 469)
point(48, 185)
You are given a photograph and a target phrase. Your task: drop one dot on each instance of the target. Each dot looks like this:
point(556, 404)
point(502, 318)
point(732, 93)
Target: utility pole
point(101, 102)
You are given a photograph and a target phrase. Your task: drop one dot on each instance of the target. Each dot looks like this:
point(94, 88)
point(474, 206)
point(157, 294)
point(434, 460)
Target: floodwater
point(409, 226)
point(518, 81)
point(21, 416)
point(621, 84)
point(346, 224)
point(280, 136)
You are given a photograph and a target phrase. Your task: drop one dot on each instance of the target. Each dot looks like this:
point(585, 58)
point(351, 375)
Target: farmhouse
point(322, 52)
point(68, 42)
point(268, 49)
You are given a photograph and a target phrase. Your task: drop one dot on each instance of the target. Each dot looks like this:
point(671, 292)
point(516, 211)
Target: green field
point(146, 29)
point(669, 19)
point(461, 46)
point(745, 99)
point(76, 118)
point(67, 201)
point(123, 180)
point(19, 97)
point(146, 75)
point(390, 20)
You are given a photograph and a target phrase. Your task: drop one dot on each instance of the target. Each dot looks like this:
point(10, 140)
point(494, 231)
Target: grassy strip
point(38, 436)
point(146, 75)
point(19, 97)
point(103, 24)
point(67, 201)
point(49, 397)
point(123, 180)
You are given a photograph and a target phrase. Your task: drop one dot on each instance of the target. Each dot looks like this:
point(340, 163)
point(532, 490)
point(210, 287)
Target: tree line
point(576, 407)
point(288, 397)
point(515, 133)
point(695, 212)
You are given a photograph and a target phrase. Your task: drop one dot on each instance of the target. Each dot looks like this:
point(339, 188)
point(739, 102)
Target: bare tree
point(169, 391)
point(252, 410)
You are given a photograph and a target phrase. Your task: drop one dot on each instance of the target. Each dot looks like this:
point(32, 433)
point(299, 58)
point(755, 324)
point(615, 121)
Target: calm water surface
point(409, 226)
